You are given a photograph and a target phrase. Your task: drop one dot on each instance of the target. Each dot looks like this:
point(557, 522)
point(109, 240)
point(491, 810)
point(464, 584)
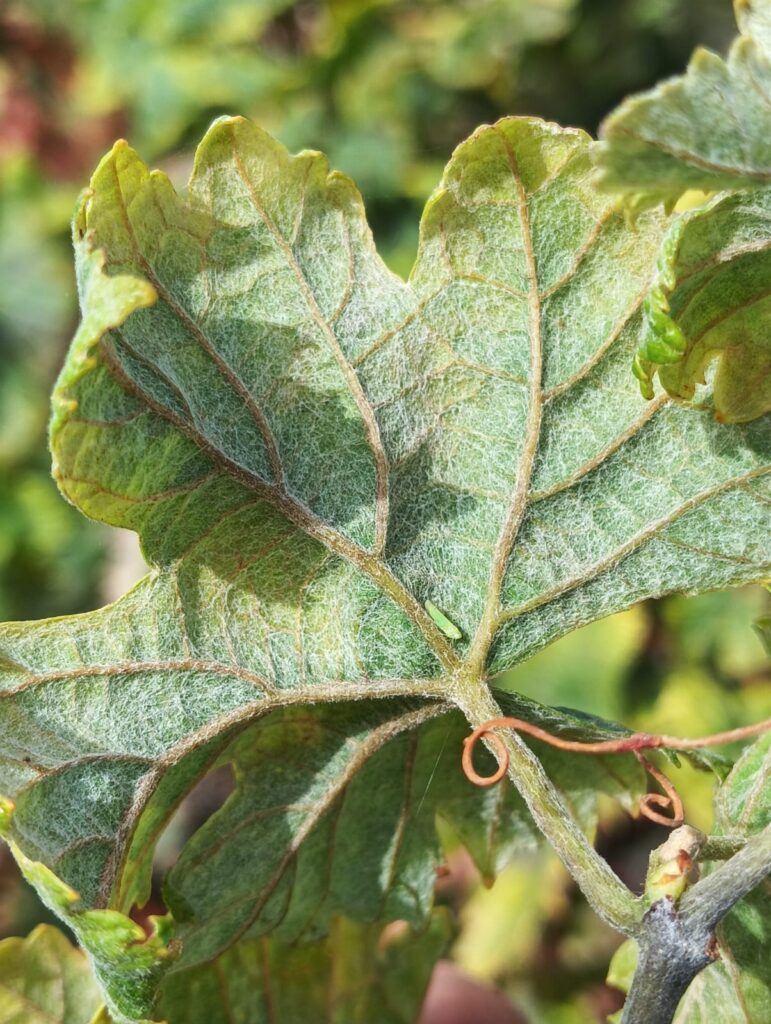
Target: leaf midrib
point(514, 518)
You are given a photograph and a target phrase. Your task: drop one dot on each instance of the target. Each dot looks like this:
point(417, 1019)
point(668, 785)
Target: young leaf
point(710, 301)
point(44, 980)
point(311, 449)
point(357, 975)
point(707, 129)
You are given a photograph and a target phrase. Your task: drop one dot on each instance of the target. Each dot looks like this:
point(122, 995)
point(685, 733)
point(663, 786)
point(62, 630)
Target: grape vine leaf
point(736, 989)
point(310, 450)
point(358, 974)
point(290, 893)
point(45, 980)
point(707, 129)
point(710, 300)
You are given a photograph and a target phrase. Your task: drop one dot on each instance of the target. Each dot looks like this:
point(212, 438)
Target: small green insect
point(448, 628)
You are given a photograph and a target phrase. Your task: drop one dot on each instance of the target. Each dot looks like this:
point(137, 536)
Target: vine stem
point(675, 943)
point(603, 889)
point(709, 900)
point(668, 959)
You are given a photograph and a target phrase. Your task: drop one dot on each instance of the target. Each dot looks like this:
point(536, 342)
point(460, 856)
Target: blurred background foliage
point(386, 88)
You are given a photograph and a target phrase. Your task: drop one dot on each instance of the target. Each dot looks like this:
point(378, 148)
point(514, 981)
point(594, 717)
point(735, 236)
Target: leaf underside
point(356, 976)
point(706, 129)
point(310, 450)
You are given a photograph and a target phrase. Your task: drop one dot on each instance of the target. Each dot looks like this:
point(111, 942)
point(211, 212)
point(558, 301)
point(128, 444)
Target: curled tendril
point(668, 800)
point(501, 754)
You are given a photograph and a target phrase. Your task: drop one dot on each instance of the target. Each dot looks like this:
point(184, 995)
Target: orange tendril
point(668, 800)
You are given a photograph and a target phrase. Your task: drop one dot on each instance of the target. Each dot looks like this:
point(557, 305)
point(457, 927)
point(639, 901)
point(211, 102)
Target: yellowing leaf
point(44, 980)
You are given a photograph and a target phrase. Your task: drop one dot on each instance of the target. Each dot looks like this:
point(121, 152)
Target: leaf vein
point(628, 547)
